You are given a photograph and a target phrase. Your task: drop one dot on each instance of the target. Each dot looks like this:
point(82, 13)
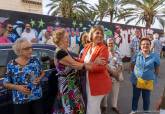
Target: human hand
point(34, 40)
point(24, 89)
point(37, 80)
point(157, 106)
point(100, 61)
point(114, 73)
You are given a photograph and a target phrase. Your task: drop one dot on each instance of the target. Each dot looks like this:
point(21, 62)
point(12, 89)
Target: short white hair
point(156, 36)
point(17, 45)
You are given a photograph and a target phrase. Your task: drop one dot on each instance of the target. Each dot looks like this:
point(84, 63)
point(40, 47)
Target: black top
point(60, 54)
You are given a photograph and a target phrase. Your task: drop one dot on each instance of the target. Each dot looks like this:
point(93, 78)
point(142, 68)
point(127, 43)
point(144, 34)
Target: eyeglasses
point(110, 43)
point(27, 48)
point(145, 44)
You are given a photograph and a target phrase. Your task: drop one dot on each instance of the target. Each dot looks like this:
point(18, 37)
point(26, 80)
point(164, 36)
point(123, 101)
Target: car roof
point(41, 46)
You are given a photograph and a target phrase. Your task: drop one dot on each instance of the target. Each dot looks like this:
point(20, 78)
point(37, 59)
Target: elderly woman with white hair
point(23, 78)
point(115, 70)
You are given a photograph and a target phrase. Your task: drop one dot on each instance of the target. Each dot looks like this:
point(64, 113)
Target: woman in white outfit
point(98, 77)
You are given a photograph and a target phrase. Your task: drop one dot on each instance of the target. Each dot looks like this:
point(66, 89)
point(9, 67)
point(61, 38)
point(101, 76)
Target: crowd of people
point(9, 34)
point(99, 68)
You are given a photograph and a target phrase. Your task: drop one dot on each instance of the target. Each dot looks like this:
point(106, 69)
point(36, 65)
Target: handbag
point(145, 84)
point(121, 78)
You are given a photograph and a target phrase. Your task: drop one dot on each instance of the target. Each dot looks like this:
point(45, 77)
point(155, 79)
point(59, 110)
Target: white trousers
point(162, 111)
point(93, 102)
point(104, 102)
point(115, 93)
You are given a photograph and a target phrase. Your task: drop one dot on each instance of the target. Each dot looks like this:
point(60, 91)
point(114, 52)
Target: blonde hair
point(93, 29)
point(57, 35)
point(17, 45)
point(84, 38)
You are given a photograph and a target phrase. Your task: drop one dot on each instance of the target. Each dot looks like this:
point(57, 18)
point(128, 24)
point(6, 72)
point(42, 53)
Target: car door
point(46, 57)
point(50, 81)
point(5, 95)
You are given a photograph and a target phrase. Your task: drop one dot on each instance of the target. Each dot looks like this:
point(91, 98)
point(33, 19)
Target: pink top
point(4, 40)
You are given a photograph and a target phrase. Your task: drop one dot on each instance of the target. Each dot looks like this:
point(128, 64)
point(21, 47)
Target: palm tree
point(101, 8)
point(107, 8)
point(145, 11)
point(91, 14)
point(75, 9)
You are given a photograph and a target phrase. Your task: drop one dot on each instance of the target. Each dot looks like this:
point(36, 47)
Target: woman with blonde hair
point(69, 98)
point(98, 76)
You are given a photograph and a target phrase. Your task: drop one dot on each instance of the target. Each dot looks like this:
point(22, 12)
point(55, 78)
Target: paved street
point(125, 94)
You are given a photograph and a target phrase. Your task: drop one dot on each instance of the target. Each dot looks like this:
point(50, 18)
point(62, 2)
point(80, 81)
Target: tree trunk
point(111, 17)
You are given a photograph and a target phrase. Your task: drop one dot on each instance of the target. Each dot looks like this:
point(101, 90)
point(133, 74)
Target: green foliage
point(145, 11)
point(74, 9)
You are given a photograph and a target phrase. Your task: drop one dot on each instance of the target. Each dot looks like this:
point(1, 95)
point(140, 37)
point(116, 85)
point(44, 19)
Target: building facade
point(31, 6)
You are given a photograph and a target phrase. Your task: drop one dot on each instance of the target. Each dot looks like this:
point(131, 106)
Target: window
point(45, 56)
point(5, 57)
point(37, 2)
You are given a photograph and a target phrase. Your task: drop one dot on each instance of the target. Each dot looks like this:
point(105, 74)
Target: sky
point(45, 10)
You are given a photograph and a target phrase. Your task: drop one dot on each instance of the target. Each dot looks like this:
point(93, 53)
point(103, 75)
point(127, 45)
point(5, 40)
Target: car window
point(5, 57)
point(45, 56)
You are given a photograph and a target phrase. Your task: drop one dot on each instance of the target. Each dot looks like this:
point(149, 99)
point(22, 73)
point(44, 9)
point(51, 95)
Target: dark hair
point(83, 35)
point(145, 39)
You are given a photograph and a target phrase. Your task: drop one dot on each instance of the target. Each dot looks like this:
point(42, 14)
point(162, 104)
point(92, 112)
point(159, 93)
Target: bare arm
point(69, 61)
point(157, 70)
point(152, 46)
point(38, 79)
point(132, 66)
point(21, 88)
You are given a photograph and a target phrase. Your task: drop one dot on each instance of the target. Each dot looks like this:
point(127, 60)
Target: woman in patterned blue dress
point(23, 78)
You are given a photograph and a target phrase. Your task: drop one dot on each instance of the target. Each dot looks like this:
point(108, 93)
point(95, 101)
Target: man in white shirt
point(45, 36)
point(29, 34)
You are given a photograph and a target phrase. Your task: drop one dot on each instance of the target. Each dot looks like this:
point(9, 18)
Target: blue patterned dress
point(24, 75)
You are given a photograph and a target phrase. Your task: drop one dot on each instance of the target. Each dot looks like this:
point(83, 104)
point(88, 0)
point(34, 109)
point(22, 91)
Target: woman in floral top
point(23, 78)
point(115, 70)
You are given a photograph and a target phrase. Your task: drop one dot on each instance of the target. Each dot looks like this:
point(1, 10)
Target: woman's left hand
point(100, 61)
point(37, 80)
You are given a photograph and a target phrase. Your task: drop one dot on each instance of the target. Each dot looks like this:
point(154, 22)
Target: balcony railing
point(35, 2)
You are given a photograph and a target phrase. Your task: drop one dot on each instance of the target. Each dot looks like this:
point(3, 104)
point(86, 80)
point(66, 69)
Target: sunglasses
point(10, 27)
